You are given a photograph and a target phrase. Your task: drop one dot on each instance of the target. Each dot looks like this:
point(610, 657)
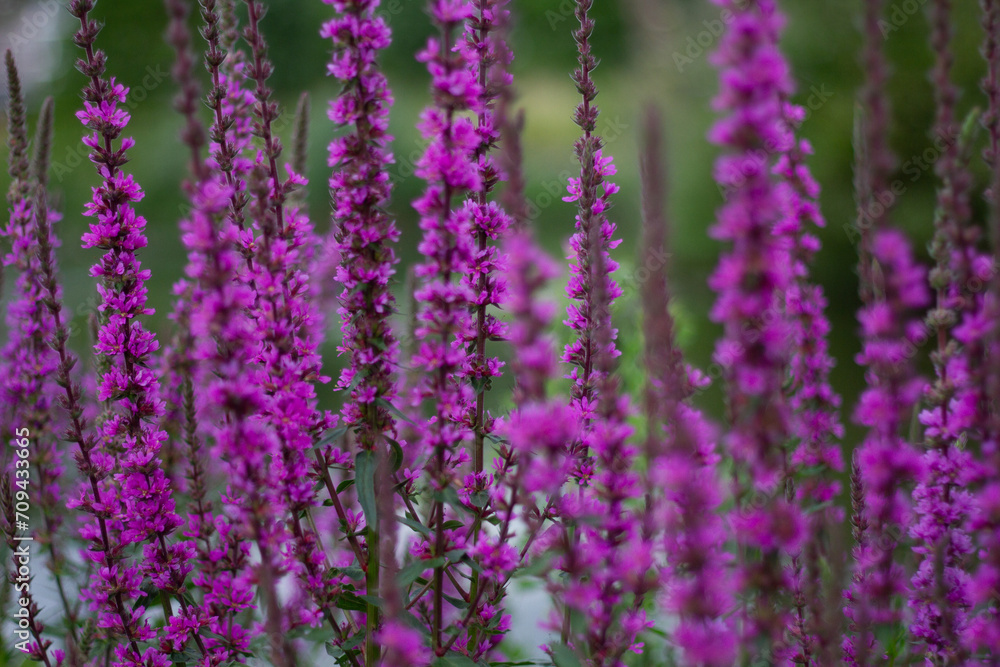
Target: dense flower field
point(192, 504)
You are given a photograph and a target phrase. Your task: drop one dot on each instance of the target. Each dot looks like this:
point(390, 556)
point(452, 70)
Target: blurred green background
point(650, 50)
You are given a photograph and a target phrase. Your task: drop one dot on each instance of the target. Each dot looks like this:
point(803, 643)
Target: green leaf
point(476, 567)
point(346, 484)
point(453, 659)
point(495, 439)
point(364, 479)
point(480, 498)
point(396, 454)
point(481, 384)
point(536, 567)
point(393, 409)
point(416, 624)
point(354, 641)
point(353, 572)
point(332, 436)
point(457, 603)
point(450, 496)
point(188, 656)
point(351, 602)
point(564, 656)
point(819, 507)
point(415, 525)
point(455, 555)
point(412, 572)
point(373, 600)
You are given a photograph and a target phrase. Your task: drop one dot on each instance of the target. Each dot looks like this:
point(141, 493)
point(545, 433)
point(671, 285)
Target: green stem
point(372, 579)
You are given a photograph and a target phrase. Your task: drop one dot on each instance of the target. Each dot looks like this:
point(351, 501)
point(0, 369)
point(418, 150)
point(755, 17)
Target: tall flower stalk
point(287, 365)
point(592, 193)
point(982, 635)
point(489, 57)
point(29, 394)
point(938, 590)
point(814, 403)
point(449, 168)
point(365, 236)
point(697, 584)
point(752, 278)
point(139, 499)
point(892, 287)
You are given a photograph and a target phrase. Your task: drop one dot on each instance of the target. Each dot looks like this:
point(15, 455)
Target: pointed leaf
point(364, 479)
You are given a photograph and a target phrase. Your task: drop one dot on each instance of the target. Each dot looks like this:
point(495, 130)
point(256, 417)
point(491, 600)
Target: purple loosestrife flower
point(140, 498)
point(449, 168)
point(698, 587)
point(213, 284)
point(939, 595)
point(365, 234)
point(225, 340)
point(533, 461)
point(813, 402)
point(892, 286)
point(287, 363)
point(363, 237)
point(983, 632)
point(29, 392)
point(175, 366)
point(751, 280)
point(592, 192)
point(231, 105)
point(489, 57)
point(105, 548)
point(539, 427)
point(592, 554)
point(26, 394)
point(603, 549)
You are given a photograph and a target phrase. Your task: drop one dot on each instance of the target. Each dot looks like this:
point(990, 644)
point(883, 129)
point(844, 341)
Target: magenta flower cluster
point(221, 515)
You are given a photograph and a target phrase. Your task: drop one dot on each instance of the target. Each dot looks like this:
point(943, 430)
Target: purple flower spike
point(225, 339)
point(683, 488)
point(449, 167)
point(814, 403)
point(365, 234)
point(592, 192)
point(939, 590)
point(753, 277)
point(982, 636)
point(893, 288)
point(489, 57)
point(139, 498)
